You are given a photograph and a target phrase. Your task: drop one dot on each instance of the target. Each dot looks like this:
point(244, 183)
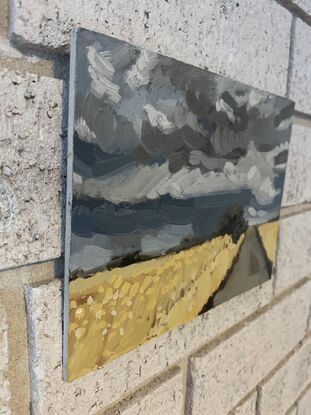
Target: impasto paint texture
point(174, 197)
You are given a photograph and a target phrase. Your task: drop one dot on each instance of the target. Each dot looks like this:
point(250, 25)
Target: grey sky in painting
point(163, 149)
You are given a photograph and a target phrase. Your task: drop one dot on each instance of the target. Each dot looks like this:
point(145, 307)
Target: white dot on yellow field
point(115, 295)
point(90, 300)
point(98, 315)
point(73, 304)
point(80, 332)
point(80, 313)
point(135, 303)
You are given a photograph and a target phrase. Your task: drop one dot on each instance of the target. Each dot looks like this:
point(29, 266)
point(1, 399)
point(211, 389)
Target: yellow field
point(115, 311)
point(269, 236)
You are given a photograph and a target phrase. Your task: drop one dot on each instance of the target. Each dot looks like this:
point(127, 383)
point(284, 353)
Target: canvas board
point(175, 180)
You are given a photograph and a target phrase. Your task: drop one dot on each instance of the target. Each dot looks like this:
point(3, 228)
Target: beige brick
point(300, 79)
point(4, 361)
point(30, 168)
point(297, 186)
point(247, 407)
point(223, 375)
point(294, 250)
point(166, 398)
point(12, 297)
point(247, 41)
point(304, 404)
point(3, 17)
point(51, 395)
point(280, 392)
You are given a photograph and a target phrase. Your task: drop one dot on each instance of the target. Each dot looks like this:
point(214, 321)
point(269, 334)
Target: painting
point(175, 180)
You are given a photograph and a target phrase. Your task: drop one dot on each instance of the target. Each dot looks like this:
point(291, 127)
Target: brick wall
point(250, 355)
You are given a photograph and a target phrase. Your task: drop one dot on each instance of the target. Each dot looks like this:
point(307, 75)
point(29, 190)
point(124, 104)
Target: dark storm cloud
point(162, 149)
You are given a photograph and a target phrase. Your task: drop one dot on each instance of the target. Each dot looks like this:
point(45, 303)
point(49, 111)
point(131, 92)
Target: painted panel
point(175, 180)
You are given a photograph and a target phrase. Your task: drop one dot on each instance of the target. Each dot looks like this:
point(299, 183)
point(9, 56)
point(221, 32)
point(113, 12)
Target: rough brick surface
point(227, 37)
point(247, 41)
point(222, 376)
point(12, 297)
point(4, 360)
point(165, 398)
point(51, 395)
point(297, 187)
point(280, 392)
point(300, 79)
point(30, 165)
point(247, 407)
point(304, 404)
point(294, 251)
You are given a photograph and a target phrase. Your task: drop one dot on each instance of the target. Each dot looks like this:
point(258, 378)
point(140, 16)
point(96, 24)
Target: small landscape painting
point(175, 180)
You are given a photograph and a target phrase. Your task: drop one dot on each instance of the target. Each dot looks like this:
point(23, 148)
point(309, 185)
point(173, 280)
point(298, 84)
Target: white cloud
point(276, 151)
point(158, 119)
point(101, 71)
point(177, 112)
point(256, 217)
point(138, 74)
point(84, 132)
point(284, 124)
point(135, 182)
point(221, 105)
point(196, 157)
